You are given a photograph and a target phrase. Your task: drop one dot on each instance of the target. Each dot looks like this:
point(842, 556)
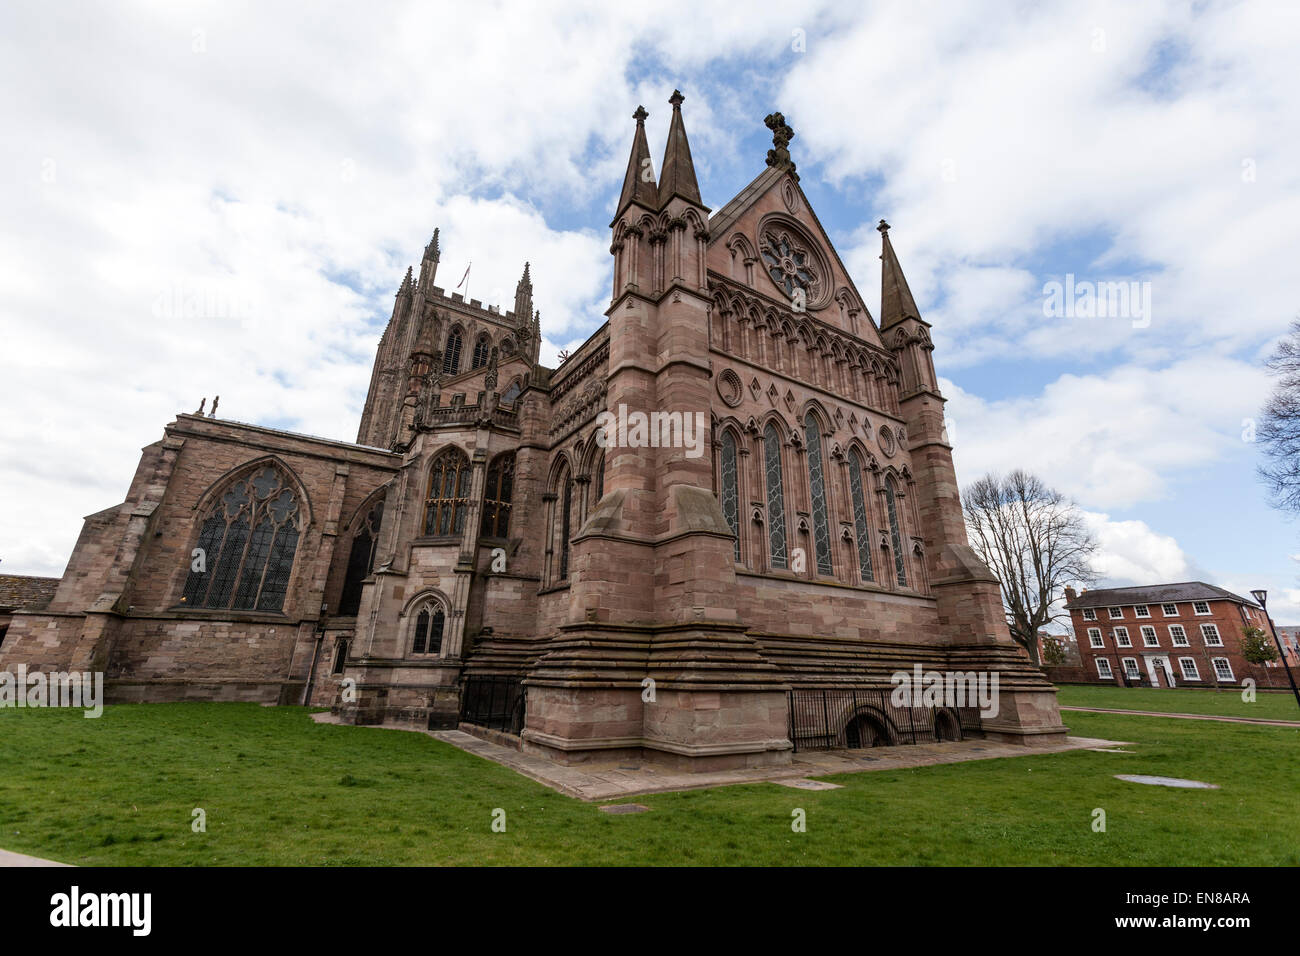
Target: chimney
point(1070, 595)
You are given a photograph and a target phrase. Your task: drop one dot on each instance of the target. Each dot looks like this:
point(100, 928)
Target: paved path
point(613, 780)
point(17, 859)
point(1156, 713)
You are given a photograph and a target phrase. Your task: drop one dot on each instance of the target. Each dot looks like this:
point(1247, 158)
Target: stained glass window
point(496, 497)
point(511, 393)
point(861, 526)
point(448, 498)
point(246, 546)
point(895, 535)
point(361, 560)
point(729, 496)
point(775, 496)
point(817, 488)
point(482, 348)
point(451, 354)
point(340, 657)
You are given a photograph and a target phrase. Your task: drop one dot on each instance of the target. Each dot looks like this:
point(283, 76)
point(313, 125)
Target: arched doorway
point(946, 726)
point(866, 730)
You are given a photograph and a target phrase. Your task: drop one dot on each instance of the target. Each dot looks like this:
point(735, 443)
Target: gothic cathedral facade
point(646, 598)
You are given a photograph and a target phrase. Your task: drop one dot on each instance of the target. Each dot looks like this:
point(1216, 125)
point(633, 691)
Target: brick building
point(650, 597)
point(1167, 635)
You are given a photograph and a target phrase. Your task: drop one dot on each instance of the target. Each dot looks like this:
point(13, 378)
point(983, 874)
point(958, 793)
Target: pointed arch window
point(448, 499)
point(482, 348)
point(497, 496)
point(817, 489)
point(776, 542)
point(247, 545)
point(861, 525)
point(361, 559)
point(426, 633)
point(511, 393)
point(340, 656)
point(727, 489)
point(451, 354)
point(895, 534)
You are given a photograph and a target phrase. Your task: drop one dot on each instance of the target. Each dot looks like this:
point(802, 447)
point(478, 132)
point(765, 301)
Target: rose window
point(789, 265)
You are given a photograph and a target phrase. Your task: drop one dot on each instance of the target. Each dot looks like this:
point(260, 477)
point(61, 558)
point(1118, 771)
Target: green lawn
point(1178, 700)
point(279, 789)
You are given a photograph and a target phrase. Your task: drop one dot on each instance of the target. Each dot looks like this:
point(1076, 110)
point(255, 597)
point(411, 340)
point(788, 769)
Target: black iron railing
point(833, 718)
point(493, 701)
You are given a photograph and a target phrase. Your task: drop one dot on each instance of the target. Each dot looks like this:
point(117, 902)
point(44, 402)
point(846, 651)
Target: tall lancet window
point(451, 354)
point(727, 492)
point(247, 544)
point(775, 496)
point(566, 529)
point(895, 535)
point(361, 560)
point(861, 526)
point(817, 488)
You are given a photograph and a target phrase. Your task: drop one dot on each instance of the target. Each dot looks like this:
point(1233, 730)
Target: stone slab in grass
point(1167, 782)
point(800, 784)
point(625, 808)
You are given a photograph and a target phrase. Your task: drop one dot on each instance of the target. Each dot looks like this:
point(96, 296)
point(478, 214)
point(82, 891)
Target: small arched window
point(861, 524)
point(361, 559)
point(895, 534)
point(340, 656)
point(511, 393)
point(246, 546)
point(451, 354)
point(728, 494)
point(426, 636)
point(482, 348)
point(775, 496)
point(817, 489)
point(448, 498)
point(496, 497)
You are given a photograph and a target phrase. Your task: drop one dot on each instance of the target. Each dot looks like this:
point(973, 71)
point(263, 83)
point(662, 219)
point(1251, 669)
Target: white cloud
point(1112, 440)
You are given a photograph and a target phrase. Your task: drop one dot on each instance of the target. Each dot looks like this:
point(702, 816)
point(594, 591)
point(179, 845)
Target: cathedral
point(490, 553)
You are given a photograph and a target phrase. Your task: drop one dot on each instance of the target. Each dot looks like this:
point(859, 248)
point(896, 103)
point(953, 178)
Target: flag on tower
point(466, 275)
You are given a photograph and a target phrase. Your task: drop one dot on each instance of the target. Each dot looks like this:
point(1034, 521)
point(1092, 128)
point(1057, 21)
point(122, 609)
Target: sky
point(202, 199)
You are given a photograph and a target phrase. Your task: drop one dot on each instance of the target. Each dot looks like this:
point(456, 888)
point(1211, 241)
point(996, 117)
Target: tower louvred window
point(451, 354)
point(482, 349)
point(247, 543)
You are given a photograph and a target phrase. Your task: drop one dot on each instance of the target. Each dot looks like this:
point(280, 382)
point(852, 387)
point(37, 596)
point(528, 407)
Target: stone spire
point(678, 169)
point(429, 267)
point(524, 297)
point(896, 302)
point(639, 182)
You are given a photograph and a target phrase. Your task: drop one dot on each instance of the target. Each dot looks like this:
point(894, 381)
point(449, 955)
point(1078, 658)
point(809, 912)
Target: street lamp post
point(1262, 597)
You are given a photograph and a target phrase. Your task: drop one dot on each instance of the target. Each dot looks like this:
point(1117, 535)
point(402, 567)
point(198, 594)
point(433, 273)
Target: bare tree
point(1035, 540)
point(1279, 427)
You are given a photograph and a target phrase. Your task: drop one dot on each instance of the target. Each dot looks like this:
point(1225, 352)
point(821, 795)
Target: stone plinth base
point(695, 729)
